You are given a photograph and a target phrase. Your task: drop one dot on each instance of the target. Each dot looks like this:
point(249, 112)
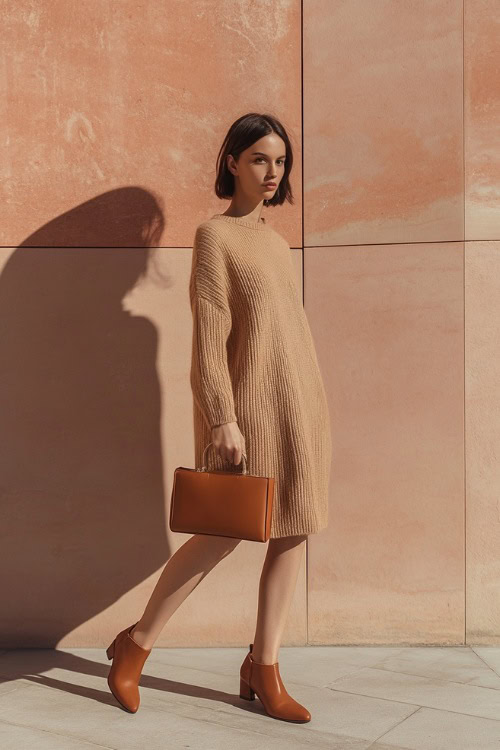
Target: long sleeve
point(209, 375)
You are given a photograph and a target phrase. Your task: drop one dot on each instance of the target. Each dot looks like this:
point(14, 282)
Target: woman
point(256, 387)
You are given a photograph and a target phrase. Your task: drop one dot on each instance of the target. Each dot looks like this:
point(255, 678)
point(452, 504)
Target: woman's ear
point(230, 163)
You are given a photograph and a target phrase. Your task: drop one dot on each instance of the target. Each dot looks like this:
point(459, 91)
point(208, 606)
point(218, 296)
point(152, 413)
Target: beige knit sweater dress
point(254, 362)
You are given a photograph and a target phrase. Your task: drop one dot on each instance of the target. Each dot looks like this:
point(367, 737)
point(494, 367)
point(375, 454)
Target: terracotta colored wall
point(401, 225)
point(111, 123)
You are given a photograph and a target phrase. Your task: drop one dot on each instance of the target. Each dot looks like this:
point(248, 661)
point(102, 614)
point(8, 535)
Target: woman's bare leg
point(277, 585)
point(183, 572)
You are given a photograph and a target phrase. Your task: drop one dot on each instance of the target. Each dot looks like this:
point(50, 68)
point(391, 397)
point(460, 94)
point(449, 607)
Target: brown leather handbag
point(222, 503)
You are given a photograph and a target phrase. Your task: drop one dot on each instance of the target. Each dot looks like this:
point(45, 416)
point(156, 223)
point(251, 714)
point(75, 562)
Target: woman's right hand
point(229, 442)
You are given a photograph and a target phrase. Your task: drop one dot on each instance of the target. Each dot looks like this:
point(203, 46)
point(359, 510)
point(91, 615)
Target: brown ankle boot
point(265, 681)
point(125, 673)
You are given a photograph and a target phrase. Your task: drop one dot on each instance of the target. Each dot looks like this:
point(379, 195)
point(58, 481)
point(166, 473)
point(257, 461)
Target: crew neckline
point(242, 221)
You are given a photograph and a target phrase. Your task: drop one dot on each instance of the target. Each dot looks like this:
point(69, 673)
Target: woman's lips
point(270, 185)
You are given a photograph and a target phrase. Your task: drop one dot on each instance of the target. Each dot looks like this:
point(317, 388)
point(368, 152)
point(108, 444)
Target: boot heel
point(110, 651)
point(246, 691)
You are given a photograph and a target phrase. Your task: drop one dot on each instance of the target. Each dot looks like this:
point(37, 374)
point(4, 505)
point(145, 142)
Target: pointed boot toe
point(125, 673)
point(264, 680)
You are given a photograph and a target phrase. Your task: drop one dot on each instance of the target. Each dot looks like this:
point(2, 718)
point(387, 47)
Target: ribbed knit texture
point(254, 362)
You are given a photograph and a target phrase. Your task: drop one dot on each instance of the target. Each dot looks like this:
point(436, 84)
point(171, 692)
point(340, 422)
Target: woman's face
point(263, 162)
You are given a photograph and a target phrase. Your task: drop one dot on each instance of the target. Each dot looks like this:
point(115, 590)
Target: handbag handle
point(204, 467)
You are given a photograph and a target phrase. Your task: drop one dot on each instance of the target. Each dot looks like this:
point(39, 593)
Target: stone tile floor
point(360, 697)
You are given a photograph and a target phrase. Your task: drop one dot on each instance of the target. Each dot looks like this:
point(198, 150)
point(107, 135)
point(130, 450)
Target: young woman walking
point(257, 389)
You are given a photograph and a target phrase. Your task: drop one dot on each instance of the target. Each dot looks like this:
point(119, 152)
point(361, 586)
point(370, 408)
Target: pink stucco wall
point(110, 124)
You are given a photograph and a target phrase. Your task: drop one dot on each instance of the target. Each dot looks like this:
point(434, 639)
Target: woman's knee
point(287, 542)
point(230, 545)
point(222, 545)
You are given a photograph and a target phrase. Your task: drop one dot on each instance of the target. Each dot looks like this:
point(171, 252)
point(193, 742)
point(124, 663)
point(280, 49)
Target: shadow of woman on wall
point(82, 518)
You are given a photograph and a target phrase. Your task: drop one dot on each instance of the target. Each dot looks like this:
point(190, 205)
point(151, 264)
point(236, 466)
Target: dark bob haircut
point(241, 135)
